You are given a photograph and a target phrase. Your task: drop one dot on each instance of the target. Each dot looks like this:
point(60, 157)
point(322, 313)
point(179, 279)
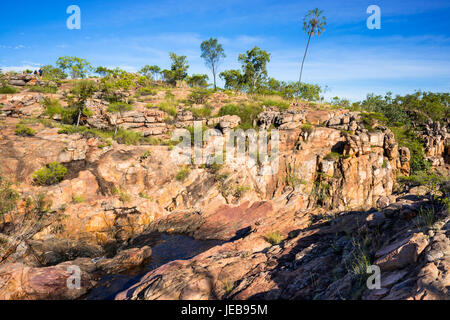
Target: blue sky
point(410, 52)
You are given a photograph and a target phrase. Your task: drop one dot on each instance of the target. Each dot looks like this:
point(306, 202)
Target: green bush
point(281, 104)
point(168, 107)
point(51, 174)
point(247, 113)
point(422, 178)
point(201, 112)
point(8, 90)
point(332, 156)
point(78, 199)
point(371, 119)
point(182, 174)
point(274, 237)
point(128, 137)
point(8, 197)
point(24, 131)
point(147, 91)
point(307, 127)
point(199, 96)
point(409, 138)
point(43, 89)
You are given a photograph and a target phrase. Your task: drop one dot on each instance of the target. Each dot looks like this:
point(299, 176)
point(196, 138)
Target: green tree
point(150, 72)
point(81, 92)
point(50, 72)
point(198, 80)
point(212, 53)
point(234, 80)
point(313, 24)
point(178, 69)
point(77, 67)
point(103, 71)
point(254, 66)
point(114, 82)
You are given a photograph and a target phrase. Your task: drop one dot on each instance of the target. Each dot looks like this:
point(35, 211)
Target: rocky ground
point(308, 232)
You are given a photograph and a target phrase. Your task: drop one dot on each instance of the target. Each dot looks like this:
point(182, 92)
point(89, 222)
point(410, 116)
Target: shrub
point(43, 89)
point(147, 154)
point(199, 96)
point(239, 191)
point(53, 107)
point(201, 112)
point(8, 197)
point(124, 196)
point(24, 131)
point(371, 119)
point(78, 199)
point(425, 218)
point(247, 113)
point(274, 237)
point(168, 107)
point(360, 260)
point(147, 91)
point(408, 138)
point(307, 127)
point(422, 178)
point(51, 174)
point(8, 90)
point(198, 80)
point(292, 179)
point(332, 156)
point(271, 102)
point(128, 137)
point(182, 174)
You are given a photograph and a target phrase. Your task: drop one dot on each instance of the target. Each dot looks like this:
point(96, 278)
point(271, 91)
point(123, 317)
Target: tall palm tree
point(313, 24)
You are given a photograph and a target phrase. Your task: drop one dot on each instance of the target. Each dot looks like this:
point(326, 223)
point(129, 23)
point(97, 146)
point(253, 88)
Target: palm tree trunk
point(303, 62)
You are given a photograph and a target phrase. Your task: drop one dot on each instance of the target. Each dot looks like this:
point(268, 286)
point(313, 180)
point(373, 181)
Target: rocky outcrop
point(324, 261)
point(437, 141)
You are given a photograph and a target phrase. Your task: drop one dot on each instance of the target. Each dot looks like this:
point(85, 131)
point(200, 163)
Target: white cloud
point(19, 68)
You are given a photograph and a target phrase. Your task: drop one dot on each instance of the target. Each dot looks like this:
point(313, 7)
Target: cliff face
point(329, 165)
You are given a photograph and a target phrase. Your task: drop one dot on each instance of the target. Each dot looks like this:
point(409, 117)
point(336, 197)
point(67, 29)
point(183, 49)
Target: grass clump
point(147, 91)
point(426, 217)
point(239, 191)
point(123, 136)
point(124, 196)
point(275, 101)
point(201, 112)
point(51, 174)
point(8, 197)
point(78, 199)
point(53, 107)
point(182, 174)
point(43, 89)
point(332, 156)
point(307, 127)
point(168, 107)
point(360, 261)
point(24, 131)
point(422, 178)
point(274, 237)
point(8, 90)
point(199, 96)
